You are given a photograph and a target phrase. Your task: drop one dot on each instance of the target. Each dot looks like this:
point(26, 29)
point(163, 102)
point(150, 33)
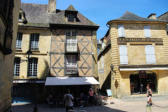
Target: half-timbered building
point(54, 48)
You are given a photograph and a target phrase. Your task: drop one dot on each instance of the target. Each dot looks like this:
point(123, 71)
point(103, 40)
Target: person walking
point(149, 100)
point(68, 98)
point(91, 96)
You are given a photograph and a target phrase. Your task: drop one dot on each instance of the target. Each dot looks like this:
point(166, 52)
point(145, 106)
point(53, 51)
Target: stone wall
point(42, 54)
point(6, 65)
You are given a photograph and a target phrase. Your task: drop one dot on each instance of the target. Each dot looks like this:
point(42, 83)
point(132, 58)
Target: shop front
point(134, 80)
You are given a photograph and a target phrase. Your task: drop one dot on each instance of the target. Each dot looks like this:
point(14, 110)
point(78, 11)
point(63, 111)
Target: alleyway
point(129, 104)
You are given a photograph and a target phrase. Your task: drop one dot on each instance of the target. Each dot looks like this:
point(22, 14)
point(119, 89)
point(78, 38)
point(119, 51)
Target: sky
point(101, 11)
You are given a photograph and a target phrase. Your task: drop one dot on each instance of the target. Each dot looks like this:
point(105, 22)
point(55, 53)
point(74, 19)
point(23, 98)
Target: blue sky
point(101, 11)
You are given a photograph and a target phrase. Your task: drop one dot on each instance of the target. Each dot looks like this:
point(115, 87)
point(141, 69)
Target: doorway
point(139, 81)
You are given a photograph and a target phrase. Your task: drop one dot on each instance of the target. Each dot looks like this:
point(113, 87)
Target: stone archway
point(139, 80)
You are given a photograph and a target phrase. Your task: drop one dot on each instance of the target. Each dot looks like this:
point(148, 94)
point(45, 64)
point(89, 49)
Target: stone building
point(53, 45)
point(8, 29)
point(138, 54)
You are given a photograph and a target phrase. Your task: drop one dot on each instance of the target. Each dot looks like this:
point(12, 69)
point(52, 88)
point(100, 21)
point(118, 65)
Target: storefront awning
point(61, 81)
point(137, 69)
point(142, 67)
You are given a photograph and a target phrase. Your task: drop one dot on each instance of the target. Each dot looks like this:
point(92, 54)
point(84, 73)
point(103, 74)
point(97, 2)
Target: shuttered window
point(121, 31)
point(123, 54)
point(147, 31)
point(150, 54)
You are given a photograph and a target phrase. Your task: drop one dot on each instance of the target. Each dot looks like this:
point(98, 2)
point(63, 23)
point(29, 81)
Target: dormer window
point(71, 18)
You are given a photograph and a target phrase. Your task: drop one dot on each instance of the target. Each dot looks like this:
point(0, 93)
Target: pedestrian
point(91, 96)
point(68, 98)
point(149, 96)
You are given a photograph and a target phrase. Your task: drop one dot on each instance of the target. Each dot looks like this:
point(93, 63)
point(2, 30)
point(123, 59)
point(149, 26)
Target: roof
point(71, 8)
point(128, 16)
point(38, 14)
point(164, 17)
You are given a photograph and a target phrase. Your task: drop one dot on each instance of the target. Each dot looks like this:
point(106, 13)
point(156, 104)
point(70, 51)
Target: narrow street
point(133, 104)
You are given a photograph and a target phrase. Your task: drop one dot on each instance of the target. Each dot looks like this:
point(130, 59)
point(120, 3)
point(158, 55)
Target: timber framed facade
point(54, 43)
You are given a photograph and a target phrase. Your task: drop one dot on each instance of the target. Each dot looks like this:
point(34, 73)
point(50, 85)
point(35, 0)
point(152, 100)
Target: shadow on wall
point(46, 108)
point(45, 72)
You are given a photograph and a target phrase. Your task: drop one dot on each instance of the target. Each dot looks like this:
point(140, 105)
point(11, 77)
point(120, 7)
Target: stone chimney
point(152, 16)
point(51, 6)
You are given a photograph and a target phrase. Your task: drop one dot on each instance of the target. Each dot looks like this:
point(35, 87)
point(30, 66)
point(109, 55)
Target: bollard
point(148, 108)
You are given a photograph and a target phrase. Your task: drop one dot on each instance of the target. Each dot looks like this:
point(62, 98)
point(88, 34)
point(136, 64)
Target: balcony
point(71, 69)
point(71, 46)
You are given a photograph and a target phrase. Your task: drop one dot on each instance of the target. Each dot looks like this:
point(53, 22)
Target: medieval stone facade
point(9, 11)
point(138, 55)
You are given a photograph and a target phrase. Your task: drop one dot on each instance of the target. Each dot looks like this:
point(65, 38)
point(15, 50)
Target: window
point(147, 31)
point(71, 17)
point(121, 31)
point(34, 41)
point(16, 66)
point(150, 54)
point(71, 41)
point(71, 61)
point(123, 54)
point(19, 41)
point(32, 67)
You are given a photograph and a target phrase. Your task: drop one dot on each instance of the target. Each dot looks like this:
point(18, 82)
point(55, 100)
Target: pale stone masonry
point(136, 62)
point(64, 44)
point(9, 11)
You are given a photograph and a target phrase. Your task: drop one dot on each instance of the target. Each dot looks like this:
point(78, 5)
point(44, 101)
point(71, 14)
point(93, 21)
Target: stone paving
point(119, 105)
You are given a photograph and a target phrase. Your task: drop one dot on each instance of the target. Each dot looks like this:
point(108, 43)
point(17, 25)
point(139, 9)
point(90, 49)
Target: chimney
point(51, 6)
point(152, 16)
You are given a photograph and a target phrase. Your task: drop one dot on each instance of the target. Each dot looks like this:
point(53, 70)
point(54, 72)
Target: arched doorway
point(139, 81)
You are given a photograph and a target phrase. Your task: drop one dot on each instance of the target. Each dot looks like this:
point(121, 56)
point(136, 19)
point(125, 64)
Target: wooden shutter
point(147, 31)
point(123, 54)
point(121, 31)
point(150, 54)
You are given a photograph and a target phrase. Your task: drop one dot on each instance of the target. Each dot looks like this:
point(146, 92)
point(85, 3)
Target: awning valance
point(138, 69)
point(61, 81)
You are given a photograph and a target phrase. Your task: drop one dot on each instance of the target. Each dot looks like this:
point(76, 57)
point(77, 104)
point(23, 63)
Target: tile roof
point(128, 16)
point(38, 14)
point(164, 17)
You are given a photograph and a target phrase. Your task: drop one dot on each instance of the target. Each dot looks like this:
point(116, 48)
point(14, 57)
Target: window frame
point(33, 67)
point(19, 41)
point(17, 62)
point(34, 41)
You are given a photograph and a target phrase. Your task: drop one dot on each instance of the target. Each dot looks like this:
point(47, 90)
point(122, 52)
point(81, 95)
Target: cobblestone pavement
point(114, 105)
